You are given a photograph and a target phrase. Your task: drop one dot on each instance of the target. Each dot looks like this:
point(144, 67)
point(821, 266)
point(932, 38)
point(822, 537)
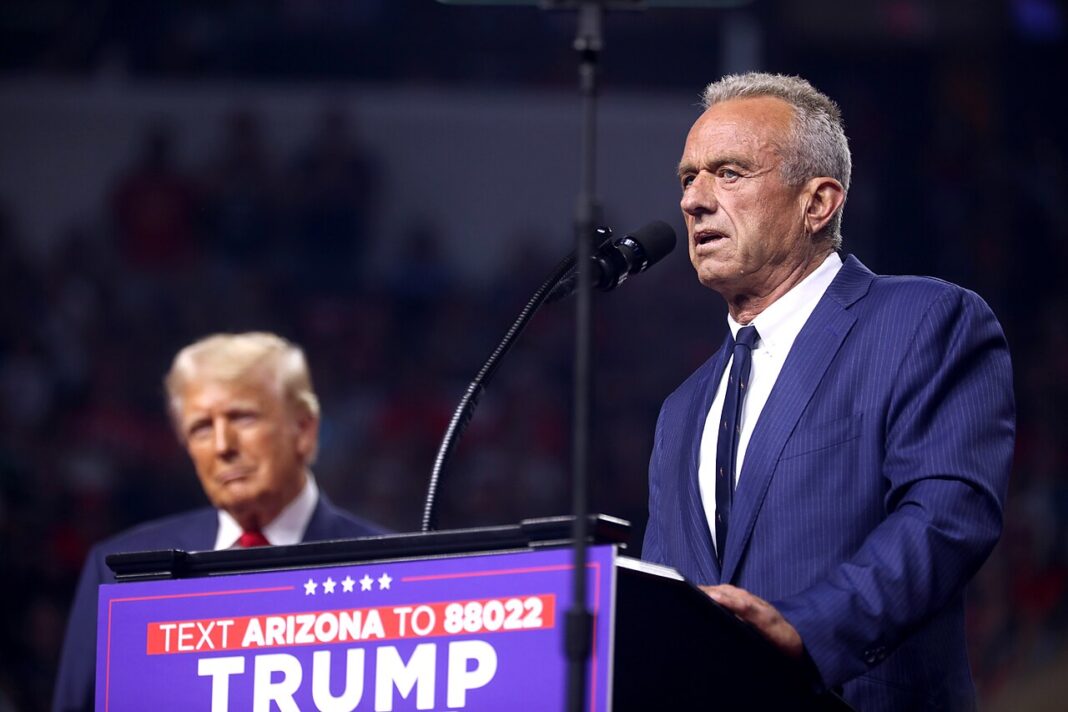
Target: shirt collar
point(287, 528)
point(779, 324)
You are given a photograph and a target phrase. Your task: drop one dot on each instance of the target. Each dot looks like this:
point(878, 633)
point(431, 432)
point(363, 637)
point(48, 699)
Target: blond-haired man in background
point(244, 409)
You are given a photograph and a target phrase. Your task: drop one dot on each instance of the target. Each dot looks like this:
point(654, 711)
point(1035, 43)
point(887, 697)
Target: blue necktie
point(730, 427)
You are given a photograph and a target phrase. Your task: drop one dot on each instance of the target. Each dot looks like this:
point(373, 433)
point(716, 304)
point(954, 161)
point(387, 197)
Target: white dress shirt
point(287, 528)
point(778, 326)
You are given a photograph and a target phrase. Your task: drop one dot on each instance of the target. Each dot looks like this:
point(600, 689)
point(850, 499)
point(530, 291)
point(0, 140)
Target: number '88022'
point(493, 615)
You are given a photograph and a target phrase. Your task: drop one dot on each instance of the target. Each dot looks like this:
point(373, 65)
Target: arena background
point(386, 182)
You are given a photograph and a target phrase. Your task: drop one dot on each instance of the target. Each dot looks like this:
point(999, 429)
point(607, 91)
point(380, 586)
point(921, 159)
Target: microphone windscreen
point(657, 240)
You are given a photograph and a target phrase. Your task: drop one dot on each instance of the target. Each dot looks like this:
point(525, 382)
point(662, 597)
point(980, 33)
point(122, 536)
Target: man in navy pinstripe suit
point(874, 430)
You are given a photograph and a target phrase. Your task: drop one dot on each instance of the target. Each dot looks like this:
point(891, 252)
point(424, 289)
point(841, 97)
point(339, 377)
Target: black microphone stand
point(589, 41)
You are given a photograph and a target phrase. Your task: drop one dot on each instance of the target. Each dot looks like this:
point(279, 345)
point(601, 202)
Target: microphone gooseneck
point(618, 259)
point(461, 417)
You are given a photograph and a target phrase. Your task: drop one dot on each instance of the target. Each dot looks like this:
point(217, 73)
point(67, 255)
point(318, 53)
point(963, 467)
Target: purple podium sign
point(480, 632)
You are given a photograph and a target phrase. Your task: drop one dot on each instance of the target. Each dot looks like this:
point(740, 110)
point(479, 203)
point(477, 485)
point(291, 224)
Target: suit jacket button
point(874, 655)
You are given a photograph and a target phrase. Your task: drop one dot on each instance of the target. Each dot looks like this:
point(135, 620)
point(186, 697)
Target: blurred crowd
point(961, 172)
point(251, 240)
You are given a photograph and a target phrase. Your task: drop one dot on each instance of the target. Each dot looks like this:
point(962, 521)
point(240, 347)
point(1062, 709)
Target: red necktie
point(252, 538)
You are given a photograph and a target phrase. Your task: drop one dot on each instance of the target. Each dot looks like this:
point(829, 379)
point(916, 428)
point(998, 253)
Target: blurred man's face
point(249, 446)
point(746, 225)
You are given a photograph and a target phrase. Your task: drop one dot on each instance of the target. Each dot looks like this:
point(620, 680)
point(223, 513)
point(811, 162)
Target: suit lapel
point(805, 366)
point(698, 531)
point(320, 525)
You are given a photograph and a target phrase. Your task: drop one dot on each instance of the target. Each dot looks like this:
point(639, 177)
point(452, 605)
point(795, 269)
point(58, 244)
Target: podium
point(455, 620)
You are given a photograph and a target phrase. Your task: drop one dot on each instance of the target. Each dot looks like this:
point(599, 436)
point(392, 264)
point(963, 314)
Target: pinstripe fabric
point(872, 488)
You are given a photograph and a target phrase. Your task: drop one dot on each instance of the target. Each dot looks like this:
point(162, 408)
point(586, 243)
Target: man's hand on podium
point(760, 614)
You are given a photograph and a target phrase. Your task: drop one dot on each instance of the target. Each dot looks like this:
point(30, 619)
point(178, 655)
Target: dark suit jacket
point(872, 488)
point(190, 531)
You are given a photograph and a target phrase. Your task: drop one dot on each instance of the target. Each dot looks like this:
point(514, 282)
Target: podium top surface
point(527, 534)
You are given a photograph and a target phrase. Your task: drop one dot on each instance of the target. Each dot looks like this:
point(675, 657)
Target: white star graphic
point(328, 585)
point(383, 581)
point(347, 584)
point(365, 583)
point(309, 587)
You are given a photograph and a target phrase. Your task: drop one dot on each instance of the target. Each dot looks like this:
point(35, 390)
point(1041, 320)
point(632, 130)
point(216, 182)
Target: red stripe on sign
point(443, 618)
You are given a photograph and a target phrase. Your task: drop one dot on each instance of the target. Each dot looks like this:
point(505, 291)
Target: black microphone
point(617, 259)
